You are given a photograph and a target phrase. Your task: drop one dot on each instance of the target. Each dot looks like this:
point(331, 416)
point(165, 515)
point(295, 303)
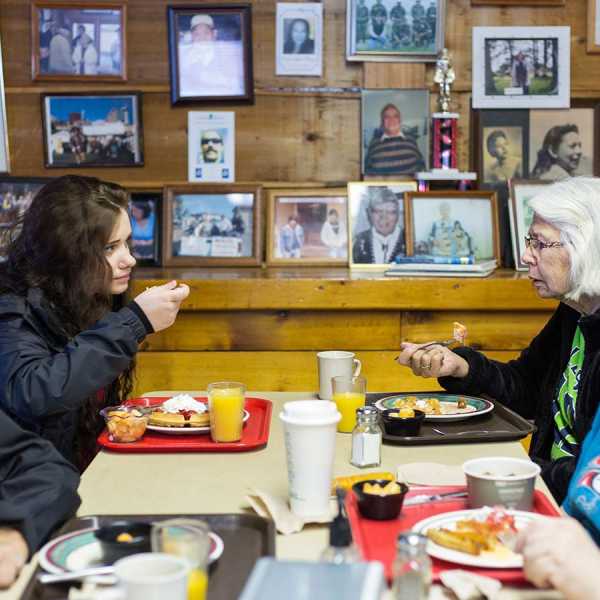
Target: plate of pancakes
point(183, 423)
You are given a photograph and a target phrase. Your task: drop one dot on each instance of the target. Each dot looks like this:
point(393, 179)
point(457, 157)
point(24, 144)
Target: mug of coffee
point(333, 363)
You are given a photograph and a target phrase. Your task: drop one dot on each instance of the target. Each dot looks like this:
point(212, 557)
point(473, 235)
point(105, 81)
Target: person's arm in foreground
point(559, 553)
point(38, 491)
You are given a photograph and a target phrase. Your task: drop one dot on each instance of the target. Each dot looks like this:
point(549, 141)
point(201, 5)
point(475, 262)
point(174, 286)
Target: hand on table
point(13, 555)
point(161, 303)
point(559, 553)
point(433, 361)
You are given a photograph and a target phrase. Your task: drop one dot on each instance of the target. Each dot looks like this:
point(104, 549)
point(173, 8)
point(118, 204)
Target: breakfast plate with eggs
point(438, 406)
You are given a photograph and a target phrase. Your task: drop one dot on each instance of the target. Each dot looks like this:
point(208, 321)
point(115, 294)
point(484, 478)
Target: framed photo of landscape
point(394, 30)
point(85, 130)
point(521, 67)
point(218, 225)
point(84, 41)
point(307, 227)
point(454, 223)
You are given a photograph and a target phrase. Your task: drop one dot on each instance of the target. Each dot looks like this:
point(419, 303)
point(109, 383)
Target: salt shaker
point(412, 568)
point(366, 438)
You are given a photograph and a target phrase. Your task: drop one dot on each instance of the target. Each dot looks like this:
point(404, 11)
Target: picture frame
point(210, 53)
point(212, 225)
point(299, 39)
point(307, 227)
point(453, 223)
point(145, 211)
point(377, 222)
point(395, 132)
point(593, 27)
point(78, 41)
point(16, 194)
point(92, 130)
point(521, 67)
point(4, 151)
point(521, 191)
point(517, 2)
point(380, 35)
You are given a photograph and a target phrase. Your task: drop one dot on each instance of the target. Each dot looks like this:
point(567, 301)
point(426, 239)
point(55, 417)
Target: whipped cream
point(183, 402)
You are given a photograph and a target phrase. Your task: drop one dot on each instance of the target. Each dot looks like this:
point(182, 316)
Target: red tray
point(377, 539)
point(254, 435)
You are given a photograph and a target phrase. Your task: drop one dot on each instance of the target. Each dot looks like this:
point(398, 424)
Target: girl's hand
point(161, 303)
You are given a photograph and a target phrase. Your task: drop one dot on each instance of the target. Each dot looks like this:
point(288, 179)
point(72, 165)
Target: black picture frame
point(105, 132)
point(146, 255)
point(226, 56)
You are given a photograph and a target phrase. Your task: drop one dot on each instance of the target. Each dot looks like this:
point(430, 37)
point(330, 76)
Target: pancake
point(199, 419)
point(163, 419)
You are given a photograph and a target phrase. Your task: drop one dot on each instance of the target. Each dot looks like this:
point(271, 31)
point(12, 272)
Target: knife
point(424, 498)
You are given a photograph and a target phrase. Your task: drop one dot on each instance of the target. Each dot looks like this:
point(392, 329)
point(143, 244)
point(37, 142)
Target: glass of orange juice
point(349, 394)
point(226, 410)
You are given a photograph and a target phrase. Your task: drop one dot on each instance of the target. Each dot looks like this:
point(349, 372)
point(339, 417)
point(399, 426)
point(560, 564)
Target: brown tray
point(246, 538)
point(500, 425)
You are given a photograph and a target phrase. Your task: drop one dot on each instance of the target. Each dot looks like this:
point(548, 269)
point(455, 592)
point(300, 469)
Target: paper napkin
point(470, 586)
point(423, 473)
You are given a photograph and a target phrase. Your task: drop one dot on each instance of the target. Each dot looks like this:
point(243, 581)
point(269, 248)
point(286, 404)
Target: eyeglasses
point(205, 141)
point(538, 245)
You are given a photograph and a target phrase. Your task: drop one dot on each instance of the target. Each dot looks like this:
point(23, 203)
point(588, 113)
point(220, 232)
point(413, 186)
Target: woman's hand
point(13, 555)
point(161, 303)
point(433, 361)
point(559, 553)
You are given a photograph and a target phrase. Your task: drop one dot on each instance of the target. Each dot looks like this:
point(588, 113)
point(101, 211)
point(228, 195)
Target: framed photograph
point(210, 53)
point(377, 222)
point(146, 214)
point(82, 130)
point(521, 67)
point(212, 225)
point(16, 194)
point(4, 155)
point(78, 41)
point(593, 26)
point(299, 39)
point(521, 192)
point(395, 30)
point(307, 227)
point(448, 224)
point(211, 146)
point(395, 132)
point(518, 2)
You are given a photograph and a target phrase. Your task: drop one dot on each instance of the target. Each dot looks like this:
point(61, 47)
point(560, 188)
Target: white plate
point(186, 430)
point(510, 560)
point(81, 550)
point(475, 406)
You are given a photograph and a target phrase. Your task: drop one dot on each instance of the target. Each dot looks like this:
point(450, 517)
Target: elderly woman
point(556, 380)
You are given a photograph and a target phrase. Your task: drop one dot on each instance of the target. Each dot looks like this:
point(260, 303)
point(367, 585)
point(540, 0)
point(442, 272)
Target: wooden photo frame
point(210, 53)
point(212, 225)
point(377, 222)
point(453, 224)
point(83, 41)
point(593, 26)
point(394, 30)
point(521, 191)
point(16, 194)
point(521, 67)
point(145, 210)
point(307, 227)
point(87, 130)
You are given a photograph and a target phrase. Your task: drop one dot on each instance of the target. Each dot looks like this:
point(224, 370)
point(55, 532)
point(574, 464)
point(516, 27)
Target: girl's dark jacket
point(528, 384)
point(45, 377)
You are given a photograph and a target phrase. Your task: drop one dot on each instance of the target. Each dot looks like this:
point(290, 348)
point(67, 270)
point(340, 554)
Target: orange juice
point(226, 406)
point(347, 403)
point(197, 585)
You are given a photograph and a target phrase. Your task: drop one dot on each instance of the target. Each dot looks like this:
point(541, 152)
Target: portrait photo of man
point(395, 132)
point(212, 146)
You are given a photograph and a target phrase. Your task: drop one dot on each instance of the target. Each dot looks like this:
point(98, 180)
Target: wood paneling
point(276, 371)
point(393, 75)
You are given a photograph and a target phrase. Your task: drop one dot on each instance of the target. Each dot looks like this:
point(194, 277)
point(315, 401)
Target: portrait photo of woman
point(297, 39)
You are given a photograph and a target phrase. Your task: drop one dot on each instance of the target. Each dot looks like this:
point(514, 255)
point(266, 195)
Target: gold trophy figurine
point(444, 76)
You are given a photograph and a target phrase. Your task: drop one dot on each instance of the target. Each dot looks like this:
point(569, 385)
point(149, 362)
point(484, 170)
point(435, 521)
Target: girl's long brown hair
point(58, 247)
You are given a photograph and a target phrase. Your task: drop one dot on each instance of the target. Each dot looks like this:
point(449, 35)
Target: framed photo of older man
point(395, 132)
point(521, 67)
point(377, 222)
point(78, 41)
point(210, 53)
point(453, 224)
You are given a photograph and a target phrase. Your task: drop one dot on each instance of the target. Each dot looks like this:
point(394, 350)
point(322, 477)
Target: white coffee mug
point(333, 363)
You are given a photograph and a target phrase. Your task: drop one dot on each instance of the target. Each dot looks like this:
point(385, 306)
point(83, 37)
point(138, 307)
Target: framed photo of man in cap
point(210, 53)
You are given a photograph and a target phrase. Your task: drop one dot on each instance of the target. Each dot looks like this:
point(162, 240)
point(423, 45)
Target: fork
point(445, 343)
point(470, 431)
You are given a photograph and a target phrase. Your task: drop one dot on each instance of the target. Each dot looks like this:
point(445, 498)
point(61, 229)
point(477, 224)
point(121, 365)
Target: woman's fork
point(445, 343)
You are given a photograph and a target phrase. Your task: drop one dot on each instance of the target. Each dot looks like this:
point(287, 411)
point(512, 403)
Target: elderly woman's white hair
point(573, 207)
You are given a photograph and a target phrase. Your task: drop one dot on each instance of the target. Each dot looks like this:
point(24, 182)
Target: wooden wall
point(287, 135)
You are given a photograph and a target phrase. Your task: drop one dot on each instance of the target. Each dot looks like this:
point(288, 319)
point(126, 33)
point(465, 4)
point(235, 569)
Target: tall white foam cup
point(309, 428)
point(333, 363)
